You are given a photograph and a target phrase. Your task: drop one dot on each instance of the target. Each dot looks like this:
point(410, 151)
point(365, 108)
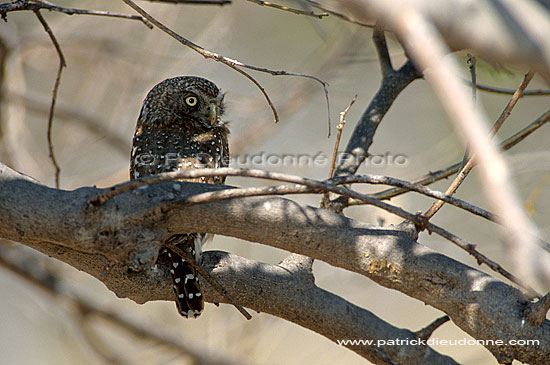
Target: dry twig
point(290, 10)
point(232, 63)
point(472, 66)
point(20, 5)
point(339, 129)
point(337, 14)
point(393, 82)
point(277, 176)
point(498, 90)
point(62, 63)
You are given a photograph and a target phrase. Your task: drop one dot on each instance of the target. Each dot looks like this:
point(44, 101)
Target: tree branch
point(62, 63)
point(21, 5)
point(393, 83)
point(133, 225)
point(232, 63)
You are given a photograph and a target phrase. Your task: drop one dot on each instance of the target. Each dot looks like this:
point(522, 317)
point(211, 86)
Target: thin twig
point(453, 169)
point(319, 186)
point(481, 258)
point(110, 193)
point(463, 173)
point(421, 189)
point(62, 63)
point(212, 280)
point(52, 284)
point(290, 10)
point(24, 5)
point(473, 75)
point(426, 332)
point(498, 90)
point(339, 129)
point(512, 103)
point(232, 63)
point(339, 15)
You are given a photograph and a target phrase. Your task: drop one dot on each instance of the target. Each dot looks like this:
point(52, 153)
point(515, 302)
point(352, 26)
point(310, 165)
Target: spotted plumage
point(179, 128)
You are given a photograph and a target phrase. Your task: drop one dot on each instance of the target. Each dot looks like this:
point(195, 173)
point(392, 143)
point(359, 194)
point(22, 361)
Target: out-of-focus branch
point(500, 90)
point(427, 48)
point(5, 154)
point(503, 31)
point(25, 266)
point(469, 165)
point(67, 114)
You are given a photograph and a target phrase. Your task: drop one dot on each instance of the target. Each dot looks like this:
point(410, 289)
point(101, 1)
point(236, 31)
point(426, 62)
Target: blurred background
point(113, 63)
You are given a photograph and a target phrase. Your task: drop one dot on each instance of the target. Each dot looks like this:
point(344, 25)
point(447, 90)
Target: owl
point(179, 128)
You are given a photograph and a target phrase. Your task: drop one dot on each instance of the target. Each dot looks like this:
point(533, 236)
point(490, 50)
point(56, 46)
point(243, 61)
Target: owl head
point(189, 101)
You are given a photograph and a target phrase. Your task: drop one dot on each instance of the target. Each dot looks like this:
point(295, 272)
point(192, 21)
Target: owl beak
point(212, 113)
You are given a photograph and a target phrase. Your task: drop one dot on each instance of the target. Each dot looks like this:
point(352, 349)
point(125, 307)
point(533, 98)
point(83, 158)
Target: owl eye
point(191, 100)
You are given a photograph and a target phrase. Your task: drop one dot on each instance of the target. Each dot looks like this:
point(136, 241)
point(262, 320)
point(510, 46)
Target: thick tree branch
point(393, 83)
point(133, 225)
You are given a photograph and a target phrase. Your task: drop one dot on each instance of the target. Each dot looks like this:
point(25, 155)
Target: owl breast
point(166, 150)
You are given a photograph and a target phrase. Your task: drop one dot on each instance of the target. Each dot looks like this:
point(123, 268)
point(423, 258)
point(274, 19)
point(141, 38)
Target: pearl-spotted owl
point(179, 128)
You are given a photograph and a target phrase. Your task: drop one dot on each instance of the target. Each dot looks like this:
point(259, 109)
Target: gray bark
point(129, 230)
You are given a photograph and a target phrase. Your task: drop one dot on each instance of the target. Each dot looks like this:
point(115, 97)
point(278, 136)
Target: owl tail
point(185, 281)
